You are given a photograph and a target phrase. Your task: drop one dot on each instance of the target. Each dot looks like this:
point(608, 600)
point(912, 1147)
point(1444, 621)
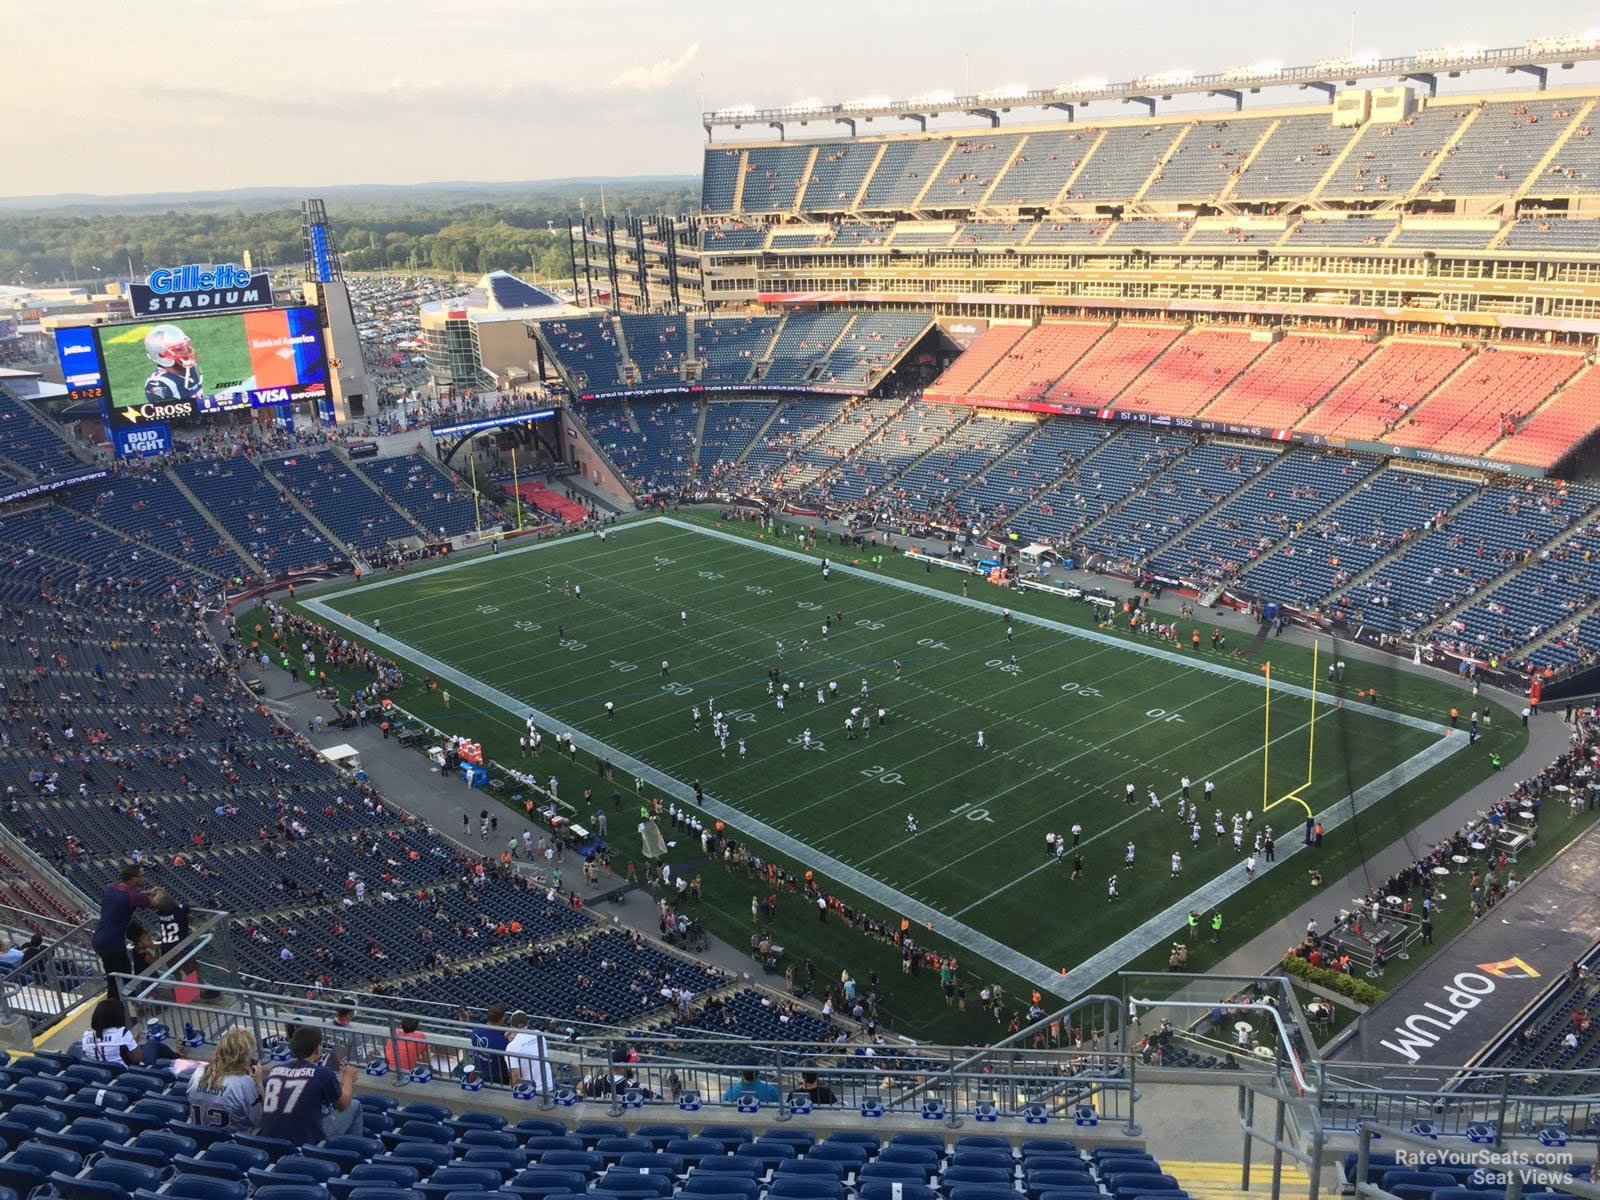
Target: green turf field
point(220, 347)
point(1082, 713)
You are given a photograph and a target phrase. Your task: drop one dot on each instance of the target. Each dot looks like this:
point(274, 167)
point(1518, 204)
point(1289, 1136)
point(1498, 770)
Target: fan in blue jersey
point(179, 377)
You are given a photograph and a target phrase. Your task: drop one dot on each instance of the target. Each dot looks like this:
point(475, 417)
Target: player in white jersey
point(911, 824)
point(741, 748)
point(1128, 856)
point(1155, 800)
point(805, 739)
point(980, 739)
point(1177, 864)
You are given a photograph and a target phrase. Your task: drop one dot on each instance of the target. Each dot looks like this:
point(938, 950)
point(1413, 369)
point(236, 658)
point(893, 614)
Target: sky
point(115, 97)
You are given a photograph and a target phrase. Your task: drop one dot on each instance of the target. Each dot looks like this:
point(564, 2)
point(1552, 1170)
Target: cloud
point(658, 74)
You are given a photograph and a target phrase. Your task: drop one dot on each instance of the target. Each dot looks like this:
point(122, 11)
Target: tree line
point(527, 236)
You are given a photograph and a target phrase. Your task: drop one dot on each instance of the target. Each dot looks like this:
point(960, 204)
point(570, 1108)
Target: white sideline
point(1067, 985)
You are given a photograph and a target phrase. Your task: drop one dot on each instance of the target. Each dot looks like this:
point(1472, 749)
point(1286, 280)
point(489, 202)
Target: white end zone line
point(1112, 958)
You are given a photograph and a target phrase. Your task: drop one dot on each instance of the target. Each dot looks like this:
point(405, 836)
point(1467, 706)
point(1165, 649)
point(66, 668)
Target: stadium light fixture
point(933, 99)
point(811, 104)
point(865, 102)
point(1094, 83)
point(1006, 91)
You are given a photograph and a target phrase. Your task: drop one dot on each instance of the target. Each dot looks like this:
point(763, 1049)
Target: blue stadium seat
point(961, 1174)
point(507, 1162)
point(656, 1161)
point(981, 1191)
point(903, 1172)
point(614, 1147)
point(539, 1143)
point(851, 1154)
point(500, 1139)
point(621, 1183)
point(729, 1135)
point(593, 1132)
point(201, 1187)
point(815, 1167)
point(292, 1191)
point(883, 1189)
point(156, 1147)
point(590, 1163)
point(458, 1178)
point(273, 1148)
point(729, 1164)
point(542, 1127)
point(659, 1135)
point(806, 1187)
point(384, 1193)
point(925, 1156)
point(740, 1186)
point(425, 1156)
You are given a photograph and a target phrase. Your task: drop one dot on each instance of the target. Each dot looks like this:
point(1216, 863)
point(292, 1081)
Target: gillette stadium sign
point(198, 288)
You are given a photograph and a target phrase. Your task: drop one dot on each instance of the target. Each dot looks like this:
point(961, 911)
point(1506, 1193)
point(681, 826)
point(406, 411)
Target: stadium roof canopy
point(500, 296)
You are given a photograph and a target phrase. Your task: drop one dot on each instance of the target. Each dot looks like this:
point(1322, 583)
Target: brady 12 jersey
point(165, 386)
point(171, 928)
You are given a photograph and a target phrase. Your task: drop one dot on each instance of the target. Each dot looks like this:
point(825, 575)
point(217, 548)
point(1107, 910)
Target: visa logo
point(273, 396)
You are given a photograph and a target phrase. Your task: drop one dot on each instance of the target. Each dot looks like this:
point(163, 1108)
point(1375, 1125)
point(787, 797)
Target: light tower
point(325, 288)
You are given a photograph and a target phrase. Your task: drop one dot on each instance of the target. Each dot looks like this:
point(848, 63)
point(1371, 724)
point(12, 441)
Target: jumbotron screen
point(157, 370)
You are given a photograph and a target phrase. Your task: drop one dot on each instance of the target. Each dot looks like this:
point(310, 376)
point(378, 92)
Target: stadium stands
point(772, 178)
point(656, 345)
point(1168, 502)
point(719, 180)
point(1284, 497)
point(1559, 235)
point(871, 343)
point(796, 422)
point(729, 428)
point(993, 344)
point(150, 509)
point(912, 432)
point(1122, 160)
point(436, 499)
point(1069, 233)
point(1114, 362)
point(719, 238)
point(803, 342)
point(1350, 231)
point(1385, 387)
point(837, 175)
point(1103, 480)
point(729, 347)
point(1545, 436)
point(258, 515)
point(29, 442)
point(587, 348)
point(356, 514)
point(1291, 162)
point(1391, 159)
point(971, 170)
point(1501, 146)
point(965, 455)
point(1382, 514)
point(837, 441)
point(1475, 407)
point(1033, 364)
point(904, 171)
point(1206, 162)
point(1189, 375)
point(1015, 481)
point(1281, 386)
point(1041, 168)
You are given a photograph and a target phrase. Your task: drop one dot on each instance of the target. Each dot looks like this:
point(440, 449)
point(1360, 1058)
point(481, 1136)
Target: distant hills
point(372, 195)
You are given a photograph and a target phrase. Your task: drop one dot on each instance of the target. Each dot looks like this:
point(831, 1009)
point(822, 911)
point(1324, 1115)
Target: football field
point(1070, 715)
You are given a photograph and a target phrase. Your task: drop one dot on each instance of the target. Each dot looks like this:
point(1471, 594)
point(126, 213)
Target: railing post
point(1500, 1115)
point(1277, 1151)
point(777, 1082)
point(1363, 1153)
point(1247, 1110)
point(951, 1117)
point(1132, 1128)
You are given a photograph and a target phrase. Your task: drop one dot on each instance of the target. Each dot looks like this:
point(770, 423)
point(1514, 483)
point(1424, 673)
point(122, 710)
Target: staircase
point(866, 179)
point(805, 182)
point(1016, 153)
point(1505, 577)
point(1450, 144)
point(964, 421)
point(1361, 577)
point(627, 368)
point(1244, 167)
point(1579, 118)
point(1161, 164)
point(361, 475)
point(738, 183)
point(697, 438)
point(1211, 512)
point(1568, 626)
point(1066, 188)
point(232, 542)
point(316, 522)
point(934, 174)
point(760, 436)
point(1065, 476)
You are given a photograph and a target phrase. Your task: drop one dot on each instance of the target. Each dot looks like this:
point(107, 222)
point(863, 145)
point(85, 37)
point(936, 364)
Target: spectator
point(819, 1093)
point(10, 956)
point(226, 1092)
point(117, 904)
point(408, 1048)
point(747, 1084)
point(489, 1044)
point(529, 1055)
point(107, 1039)
point(303, 1101)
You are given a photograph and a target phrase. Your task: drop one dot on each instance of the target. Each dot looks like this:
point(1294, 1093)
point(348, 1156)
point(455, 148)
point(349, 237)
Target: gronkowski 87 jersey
point(165, 387)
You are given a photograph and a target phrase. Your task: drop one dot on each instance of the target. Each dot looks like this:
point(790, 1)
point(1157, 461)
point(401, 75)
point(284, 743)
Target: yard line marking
point(1091, 635)
point(874, 889)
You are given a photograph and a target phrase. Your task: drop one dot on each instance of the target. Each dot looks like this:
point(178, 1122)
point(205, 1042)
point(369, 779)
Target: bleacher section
point(151, 509)
point(1501, 146)
point(1385, 387)
point(1039, 461)
point(257, 515)
point(896, 446)
point(587, 349)
point(1123, 159)
point(721, 238)
point(964, 456)
point(1281, 386)
point(1285, 496)
point(1292, 160)
point(1188, 376)
point(1120, 464)
point(992, 345)
point(1207, 160)
point(795, 424)
point(73, 555)
point(838, 174)
point(772, 177)
point(869, 346)
point(805, 339)
point(330, 491)
point(729, 347)
point(1171, 501)
point(1540, 1043)
point(1032, 365)
point(436, 499)
point(656, 345)
point(905, 169)
point(1562, 422)
point(29, 442)
point(974, 164)
point(728, 429)
point(1115, 361)
point(1391, 159)
point(1471, 411)
point(1042, 168)
point(1384, 513)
